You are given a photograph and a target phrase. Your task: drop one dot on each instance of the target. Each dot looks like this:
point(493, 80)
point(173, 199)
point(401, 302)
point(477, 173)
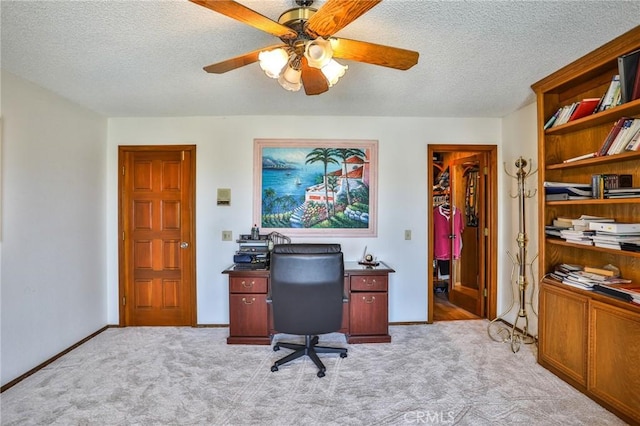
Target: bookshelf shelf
point(569, 316)
point(629, 109)
point(560, 242)
point(607, 159)
point(594, 201)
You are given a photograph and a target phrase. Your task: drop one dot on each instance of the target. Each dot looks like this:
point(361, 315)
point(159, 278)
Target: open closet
point(461, 218)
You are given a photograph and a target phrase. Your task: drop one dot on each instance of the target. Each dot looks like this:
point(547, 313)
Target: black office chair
point(307, 282)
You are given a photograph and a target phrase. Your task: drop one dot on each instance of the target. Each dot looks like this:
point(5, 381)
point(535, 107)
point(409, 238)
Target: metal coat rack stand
point(498, 328)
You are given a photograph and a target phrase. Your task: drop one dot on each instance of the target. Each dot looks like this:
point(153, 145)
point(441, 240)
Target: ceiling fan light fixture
point(273, 61)
point(291, 76)
point(318, 52)
point(333, 71)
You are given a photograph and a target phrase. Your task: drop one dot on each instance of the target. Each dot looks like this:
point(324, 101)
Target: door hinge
point(486, 232)
point(182, 155)
point(122, 235)
point(485, 170)
point(124, 301)
point(122, 170)
point(484, 292)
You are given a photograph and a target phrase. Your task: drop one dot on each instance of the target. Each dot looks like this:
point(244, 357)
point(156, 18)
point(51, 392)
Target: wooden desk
point(365, 317)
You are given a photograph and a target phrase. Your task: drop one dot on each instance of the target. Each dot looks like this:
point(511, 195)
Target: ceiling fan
point(305, 58)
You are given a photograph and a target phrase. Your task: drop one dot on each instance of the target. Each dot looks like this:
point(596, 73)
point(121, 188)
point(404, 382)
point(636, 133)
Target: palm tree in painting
point(268, 200)
point(325, 156)
point(344, 154)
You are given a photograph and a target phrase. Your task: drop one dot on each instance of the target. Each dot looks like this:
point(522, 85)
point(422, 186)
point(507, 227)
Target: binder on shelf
point(628, 70)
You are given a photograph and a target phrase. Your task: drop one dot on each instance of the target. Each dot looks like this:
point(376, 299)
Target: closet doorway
point(462, 224)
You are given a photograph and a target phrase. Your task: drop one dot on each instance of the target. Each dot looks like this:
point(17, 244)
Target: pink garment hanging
point(442, 231)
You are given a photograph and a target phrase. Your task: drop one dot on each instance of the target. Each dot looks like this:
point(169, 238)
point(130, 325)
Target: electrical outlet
point(227, 236)
point(407, 234)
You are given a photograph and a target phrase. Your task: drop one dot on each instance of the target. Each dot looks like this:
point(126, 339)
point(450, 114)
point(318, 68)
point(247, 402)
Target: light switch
point(407, 234)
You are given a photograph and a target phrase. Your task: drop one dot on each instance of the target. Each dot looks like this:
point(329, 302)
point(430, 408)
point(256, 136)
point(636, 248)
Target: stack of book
point(559, 191)
point(605, 280)
point(621, 193)
point(559, 224)
point(613, 235)
point(622, 290)
point(583, 223)
point(578, 237)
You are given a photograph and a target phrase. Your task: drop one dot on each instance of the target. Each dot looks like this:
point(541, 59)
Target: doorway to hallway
point(462, 224)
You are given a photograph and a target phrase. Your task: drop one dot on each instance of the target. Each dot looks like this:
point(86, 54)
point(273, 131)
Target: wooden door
point(468, 266)
point(157, 235)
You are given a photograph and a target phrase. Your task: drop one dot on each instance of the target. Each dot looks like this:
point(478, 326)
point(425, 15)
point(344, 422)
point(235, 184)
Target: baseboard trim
point(409, 323)
point(50, 360)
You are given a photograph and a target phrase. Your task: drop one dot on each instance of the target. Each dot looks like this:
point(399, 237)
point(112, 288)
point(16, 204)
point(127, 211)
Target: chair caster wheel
point(276, 348)
point(274, 368)
point(320, 373)
point(343, 355)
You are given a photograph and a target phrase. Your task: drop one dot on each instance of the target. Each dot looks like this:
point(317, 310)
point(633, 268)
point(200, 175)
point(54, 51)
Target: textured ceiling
point(145, 58)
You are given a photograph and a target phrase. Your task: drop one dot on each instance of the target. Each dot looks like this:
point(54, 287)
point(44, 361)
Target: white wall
point(59, 197)
point(53, 286)
point(225, 160)
point(519, 137)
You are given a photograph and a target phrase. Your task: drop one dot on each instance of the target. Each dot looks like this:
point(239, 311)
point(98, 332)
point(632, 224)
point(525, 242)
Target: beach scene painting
point(315, 187)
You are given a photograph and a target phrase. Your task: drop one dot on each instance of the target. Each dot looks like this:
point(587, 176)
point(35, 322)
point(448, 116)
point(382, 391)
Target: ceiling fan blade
point(313, 80)
point(238, 61)
point(337, 14)
point(248, 16)
point(376, 54)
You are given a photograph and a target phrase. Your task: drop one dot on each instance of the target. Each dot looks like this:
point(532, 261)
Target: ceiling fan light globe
point(318, 52)
point(290, 79)
point(333, 71)
point(273, 61)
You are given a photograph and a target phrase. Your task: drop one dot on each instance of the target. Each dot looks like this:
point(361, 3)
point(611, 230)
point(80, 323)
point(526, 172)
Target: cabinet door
point(248, 315)
point(615, 350)
point(563, 332)
point(368, 313)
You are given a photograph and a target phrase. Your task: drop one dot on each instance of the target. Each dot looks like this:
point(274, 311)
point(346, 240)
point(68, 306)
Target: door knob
point(184, 244)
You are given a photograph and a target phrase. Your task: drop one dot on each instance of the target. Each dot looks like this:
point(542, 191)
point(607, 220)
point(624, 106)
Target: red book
point(585, 107)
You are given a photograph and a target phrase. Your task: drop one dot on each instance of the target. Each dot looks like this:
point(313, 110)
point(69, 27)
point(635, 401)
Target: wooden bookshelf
point(586, 338)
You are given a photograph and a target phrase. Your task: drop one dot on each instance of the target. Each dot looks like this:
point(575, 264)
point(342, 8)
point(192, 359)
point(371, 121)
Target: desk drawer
point(368, 282)
point(248, 285)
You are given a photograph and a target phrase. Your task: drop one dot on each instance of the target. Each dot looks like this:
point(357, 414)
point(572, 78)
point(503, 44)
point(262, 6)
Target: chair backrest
point(307, 283)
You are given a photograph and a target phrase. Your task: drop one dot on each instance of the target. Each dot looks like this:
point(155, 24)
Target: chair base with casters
point(310, 349)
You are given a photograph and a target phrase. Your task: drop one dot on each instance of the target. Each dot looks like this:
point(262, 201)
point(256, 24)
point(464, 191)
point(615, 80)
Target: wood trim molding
point(52, 359)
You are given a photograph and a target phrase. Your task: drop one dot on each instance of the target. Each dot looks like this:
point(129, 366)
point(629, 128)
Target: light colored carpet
point(443, 373)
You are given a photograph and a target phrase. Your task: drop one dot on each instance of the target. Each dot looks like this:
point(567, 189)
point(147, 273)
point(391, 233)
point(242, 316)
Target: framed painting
point(316, 187)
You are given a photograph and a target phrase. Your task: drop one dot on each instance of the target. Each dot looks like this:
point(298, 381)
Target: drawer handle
point(373, 299)
point(247, 301)
point(369, 283)
point(248, 285)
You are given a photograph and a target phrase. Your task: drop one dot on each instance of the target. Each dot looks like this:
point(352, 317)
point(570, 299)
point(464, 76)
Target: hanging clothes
point(442, 232)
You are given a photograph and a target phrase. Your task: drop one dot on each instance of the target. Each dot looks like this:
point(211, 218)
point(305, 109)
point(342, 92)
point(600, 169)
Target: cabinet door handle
point(373, 299)
point(248, 285)
point(247, 301)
